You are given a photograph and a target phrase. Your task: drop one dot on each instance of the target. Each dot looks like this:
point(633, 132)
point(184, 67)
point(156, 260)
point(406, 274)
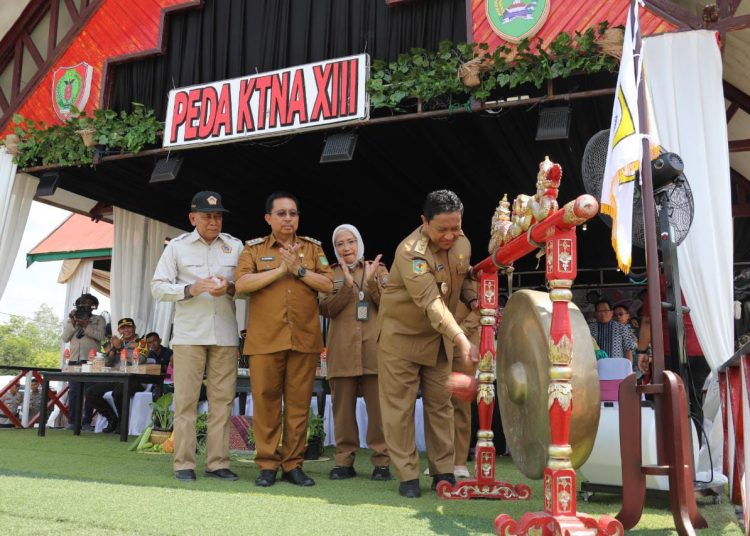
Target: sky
point(29, 288)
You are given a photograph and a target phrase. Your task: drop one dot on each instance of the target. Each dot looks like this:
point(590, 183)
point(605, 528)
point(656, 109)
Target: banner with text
point(304, 97)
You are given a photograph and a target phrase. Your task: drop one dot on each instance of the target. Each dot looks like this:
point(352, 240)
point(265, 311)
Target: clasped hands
point(216, 285)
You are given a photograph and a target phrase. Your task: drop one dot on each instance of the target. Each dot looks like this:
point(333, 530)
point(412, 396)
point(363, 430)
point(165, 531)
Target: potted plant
point(163, 418)
point(315, 436)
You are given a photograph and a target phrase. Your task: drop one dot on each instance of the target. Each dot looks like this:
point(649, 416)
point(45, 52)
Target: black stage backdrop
point(232, 38)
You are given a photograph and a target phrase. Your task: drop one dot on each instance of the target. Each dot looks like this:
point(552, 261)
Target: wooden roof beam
point(673, 13)
point(739, 146)
point(737, 96)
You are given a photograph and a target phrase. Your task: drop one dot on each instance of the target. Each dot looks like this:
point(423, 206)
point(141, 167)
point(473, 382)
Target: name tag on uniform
point(363, 310)
point(267, 258)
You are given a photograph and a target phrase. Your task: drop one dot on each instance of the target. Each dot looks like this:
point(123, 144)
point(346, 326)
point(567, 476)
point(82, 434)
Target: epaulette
point(316, 242)
point(183, 235)
point(255, 241)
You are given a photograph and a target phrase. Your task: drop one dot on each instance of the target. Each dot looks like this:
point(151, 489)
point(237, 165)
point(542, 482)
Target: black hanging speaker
point(166, 169)
point(339, 147)
point(554, 123)
point(48, 182)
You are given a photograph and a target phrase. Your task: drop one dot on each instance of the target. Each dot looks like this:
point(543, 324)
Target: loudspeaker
point(339, 147)
point(166, 169)
point(554, 123)
point(48, 182)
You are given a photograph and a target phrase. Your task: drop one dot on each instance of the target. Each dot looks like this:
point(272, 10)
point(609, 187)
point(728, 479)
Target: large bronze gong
point(523, 379)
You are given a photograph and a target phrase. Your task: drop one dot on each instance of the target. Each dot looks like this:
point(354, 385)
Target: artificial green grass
point(62, 484)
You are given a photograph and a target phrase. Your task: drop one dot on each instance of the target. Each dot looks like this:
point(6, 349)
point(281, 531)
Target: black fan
point(677, 192)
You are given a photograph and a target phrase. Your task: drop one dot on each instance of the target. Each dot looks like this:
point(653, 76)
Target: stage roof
point(78, 237)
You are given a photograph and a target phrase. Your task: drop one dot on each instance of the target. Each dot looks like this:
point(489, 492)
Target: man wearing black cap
point(196, 270)
point(127, 341)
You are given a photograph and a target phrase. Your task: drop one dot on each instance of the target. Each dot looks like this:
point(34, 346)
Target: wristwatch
point(301, 272)
point(187, 294)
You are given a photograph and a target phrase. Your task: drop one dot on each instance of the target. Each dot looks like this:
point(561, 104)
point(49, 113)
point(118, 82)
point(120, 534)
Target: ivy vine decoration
point(63, 145)
point(428, 76)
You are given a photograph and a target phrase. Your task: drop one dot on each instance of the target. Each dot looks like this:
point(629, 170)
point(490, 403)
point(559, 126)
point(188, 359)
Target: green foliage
point(429, 76)
point(62, 145)
point(163, 416)
point(32, 342)
point(315, 426)
point(201, 433)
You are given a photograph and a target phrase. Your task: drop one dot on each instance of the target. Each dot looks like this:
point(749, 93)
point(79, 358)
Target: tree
point(31, 343)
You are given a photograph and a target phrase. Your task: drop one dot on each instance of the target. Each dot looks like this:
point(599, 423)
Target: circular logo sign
point(513, 20)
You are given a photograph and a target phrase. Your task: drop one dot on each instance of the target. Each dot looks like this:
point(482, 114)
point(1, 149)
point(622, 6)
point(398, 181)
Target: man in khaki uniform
point(352, 351)
point(283, 274)
point(418, 333)
point(195, 271)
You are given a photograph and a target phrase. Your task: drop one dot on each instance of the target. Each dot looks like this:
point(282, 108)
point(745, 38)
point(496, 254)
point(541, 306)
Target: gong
point(523, 379)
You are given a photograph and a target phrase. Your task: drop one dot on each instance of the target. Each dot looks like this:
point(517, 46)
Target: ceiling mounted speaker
point(166, 169)
point(339, 147)
point(554, 123)
point(48, 182)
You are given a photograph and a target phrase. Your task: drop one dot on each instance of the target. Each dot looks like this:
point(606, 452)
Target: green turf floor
point(89, 485)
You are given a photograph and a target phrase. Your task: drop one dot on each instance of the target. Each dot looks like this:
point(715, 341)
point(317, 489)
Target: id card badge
point(363, 310)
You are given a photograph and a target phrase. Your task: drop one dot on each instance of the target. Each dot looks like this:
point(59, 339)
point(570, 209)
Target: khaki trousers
point(461, 417)
point(288, 375)
point(399, 380)
point(219, 364)
point(344, 393)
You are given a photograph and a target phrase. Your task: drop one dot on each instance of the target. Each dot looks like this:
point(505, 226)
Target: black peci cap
point(207, 202)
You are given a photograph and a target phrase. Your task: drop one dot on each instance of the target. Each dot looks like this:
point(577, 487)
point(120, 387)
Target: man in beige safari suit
point(418, 333)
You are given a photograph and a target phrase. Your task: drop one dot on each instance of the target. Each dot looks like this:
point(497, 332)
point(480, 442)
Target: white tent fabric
point(684, 73)
point(138, 244)
point(16, 193)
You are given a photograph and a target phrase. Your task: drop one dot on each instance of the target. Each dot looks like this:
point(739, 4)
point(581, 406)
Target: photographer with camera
point(84, 331)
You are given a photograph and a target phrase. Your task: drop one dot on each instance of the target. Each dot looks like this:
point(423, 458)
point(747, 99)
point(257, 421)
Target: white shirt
point(203, 319)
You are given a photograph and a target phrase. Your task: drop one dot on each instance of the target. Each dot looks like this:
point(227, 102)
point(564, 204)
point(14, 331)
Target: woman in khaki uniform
point(352, 351)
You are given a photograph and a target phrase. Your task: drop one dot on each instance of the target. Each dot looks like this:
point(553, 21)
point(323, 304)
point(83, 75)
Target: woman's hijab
point(360, 244)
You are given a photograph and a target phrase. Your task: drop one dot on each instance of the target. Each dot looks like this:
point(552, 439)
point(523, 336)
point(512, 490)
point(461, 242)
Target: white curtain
point(16, 193)
point(684, 73)
point(138, 244)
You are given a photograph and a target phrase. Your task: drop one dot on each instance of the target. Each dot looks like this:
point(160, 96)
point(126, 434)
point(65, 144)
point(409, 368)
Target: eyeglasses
point(283, 213)
point(351, 243)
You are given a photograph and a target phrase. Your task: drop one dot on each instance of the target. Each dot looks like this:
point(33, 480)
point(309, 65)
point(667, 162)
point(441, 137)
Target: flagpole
point(652, 252)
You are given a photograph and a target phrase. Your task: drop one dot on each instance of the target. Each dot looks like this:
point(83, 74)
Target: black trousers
point(95, 394)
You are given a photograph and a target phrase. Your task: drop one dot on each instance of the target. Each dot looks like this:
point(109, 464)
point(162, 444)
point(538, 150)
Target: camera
point(84, 305)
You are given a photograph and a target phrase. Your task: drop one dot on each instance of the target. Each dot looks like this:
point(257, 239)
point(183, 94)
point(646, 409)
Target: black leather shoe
point(448, 477)
point(341, 472)
point(409, 489)
point(184, 474)
point(112, 425)
point(266, 478)
point(224, 474)
point(298, 477)
point(381, 472)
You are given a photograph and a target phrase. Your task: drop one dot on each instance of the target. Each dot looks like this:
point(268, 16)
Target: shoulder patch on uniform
point(323, 259)
point(255, 241)
point(316, 242)
point(419, 266)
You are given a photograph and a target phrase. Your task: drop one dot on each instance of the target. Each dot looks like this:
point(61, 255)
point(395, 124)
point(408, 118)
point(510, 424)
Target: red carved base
point(484, 485)
point(548, 525)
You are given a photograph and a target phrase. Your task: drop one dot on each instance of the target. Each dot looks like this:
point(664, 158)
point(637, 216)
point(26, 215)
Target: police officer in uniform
point(196, 270)
point(283, 273)
point(418, 333)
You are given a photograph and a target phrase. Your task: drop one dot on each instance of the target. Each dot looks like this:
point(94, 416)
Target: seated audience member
point(158, 353)
point(10, 399)
point(622, 315)
point(611, 336)
point(35, 398)
point(128, 340)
